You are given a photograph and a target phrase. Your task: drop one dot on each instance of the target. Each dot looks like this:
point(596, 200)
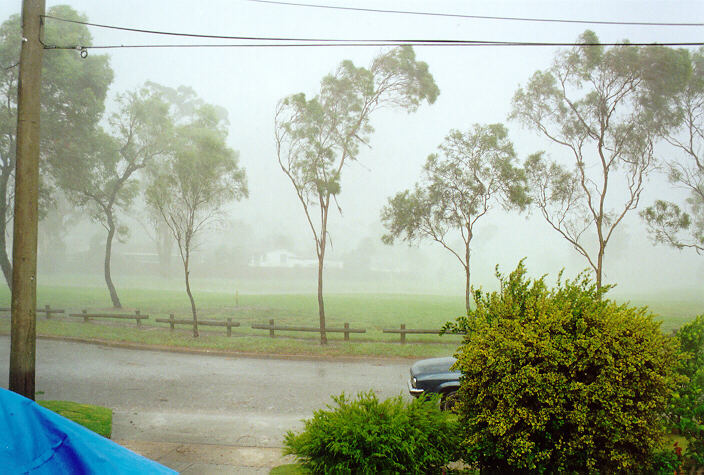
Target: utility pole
point(24, 248)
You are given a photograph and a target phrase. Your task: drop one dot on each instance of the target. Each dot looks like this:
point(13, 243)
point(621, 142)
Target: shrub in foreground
point(365, 435)
point(687, 405)
point(561, 380)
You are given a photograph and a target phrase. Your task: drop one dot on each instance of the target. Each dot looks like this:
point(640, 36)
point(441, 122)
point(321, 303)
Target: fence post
point(229, 327)
point(171, 321)
point(139, 320)
point(347, 333)
point(403, 333)
point(271, 328)
point(85, 318)
point(47, 309)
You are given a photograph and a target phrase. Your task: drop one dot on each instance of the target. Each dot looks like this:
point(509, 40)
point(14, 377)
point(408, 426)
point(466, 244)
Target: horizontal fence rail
point(208, 323)
point(47, 310)
point(229, 324)
point(413, 331)
point(272, 327)
point(126, 316)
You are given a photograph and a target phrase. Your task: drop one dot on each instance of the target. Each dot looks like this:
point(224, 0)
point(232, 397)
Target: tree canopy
point(189, 187)
point(73, 95)
point(596, 104)
point(682, 225)
point(97, 173)
point(475, 173)
point(317, 137)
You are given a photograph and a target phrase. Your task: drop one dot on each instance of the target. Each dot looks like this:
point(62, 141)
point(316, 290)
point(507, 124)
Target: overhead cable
point(321, 42)
point(473, 17)
point(84, 49)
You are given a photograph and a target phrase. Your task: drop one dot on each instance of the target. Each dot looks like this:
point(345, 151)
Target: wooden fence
point(403, 331)
point(229, 324)
point(208, 323)
point(272, 327)
point(47, 310)
point(130, 316)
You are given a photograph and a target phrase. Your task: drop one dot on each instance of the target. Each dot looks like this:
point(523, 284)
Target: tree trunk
point(321, 303)
point(108, 255)
point(5, 263)
point(164, 245)
point(467, 273)
point(466, 289)
point(467, 286)
point(193, 302)
point(600, 265)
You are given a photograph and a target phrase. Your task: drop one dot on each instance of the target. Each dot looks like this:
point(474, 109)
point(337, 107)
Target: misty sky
point(476, 86)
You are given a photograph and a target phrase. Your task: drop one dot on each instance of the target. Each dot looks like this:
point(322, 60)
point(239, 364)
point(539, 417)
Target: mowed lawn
point(373, 312)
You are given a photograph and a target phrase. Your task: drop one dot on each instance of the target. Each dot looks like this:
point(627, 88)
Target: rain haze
point(476, 86)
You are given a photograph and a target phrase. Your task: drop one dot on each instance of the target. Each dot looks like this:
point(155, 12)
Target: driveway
point(201, 399)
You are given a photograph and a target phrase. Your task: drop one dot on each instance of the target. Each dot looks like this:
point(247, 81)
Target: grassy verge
point(373, 312)
point(96, 418)
point(243, 342)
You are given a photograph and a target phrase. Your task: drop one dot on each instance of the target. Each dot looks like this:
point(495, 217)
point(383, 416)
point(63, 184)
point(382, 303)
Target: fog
point(476, 86)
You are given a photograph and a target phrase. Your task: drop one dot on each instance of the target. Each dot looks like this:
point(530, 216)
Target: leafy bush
point(561, 380)
point(366, 435)
point(687, 405)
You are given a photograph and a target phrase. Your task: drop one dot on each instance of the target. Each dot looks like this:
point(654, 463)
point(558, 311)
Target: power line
point(473, 17)
point(84, 49)
point(321, 42)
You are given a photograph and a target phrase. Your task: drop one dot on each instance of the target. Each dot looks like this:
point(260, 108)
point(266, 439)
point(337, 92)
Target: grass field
point(370, 311)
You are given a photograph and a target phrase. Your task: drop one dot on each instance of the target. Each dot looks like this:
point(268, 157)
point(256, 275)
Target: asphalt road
point(193, 398)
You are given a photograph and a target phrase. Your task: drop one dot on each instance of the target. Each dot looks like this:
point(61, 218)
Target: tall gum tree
point(99, 173)
point(317, 137)
point(682, 225)
point(72, 102)
point(475, 173)
point(190, 187)
point(593, 103)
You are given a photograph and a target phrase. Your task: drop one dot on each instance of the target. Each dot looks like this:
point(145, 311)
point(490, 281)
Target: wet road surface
point(175, 397)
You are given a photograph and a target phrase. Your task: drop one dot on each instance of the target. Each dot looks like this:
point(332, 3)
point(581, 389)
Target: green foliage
point(596, 103)
point(72, 102)
point(561, 380)
point(316, 138)
point(365, 435)
point(680, 114)
point(96, 418)
point(687, 406)
point(288, 469)
point(97, 173)
point(200, 174)
point(475, 173)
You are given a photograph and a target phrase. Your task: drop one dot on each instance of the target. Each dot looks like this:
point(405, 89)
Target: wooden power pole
point(24, 248)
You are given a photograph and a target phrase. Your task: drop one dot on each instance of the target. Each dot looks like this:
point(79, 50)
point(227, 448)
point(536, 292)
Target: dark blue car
point(434, 376)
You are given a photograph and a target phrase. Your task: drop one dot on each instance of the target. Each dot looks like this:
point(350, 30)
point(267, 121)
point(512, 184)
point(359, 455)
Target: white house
point(284, 258)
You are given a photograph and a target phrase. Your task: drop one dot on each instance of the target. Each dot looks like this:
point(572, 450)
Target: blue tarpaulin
point(38, 441)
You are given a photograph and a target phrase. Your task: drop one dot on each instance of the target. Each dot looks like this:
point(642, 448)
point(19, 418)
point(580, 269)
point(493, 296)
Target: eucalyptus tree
point(72, 102)
point(682, 225)
point(98, 174)
point(593, 103)
point(190, 187)
point(317, 137)
point(475, 173)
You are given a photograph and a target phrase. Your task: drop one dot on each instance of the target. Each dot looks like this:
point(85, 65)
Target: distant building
point(287, 259)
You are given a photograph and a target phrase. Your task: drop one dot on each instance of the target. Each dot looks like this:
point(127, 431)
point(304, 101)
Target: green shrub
point(561, 380)
point(687, 405)
point(366, 435)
